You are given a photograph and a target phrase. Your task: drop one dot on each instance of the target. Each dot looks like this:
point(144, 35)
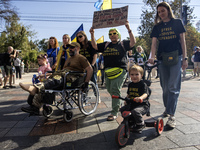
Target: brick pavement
point(18, 131)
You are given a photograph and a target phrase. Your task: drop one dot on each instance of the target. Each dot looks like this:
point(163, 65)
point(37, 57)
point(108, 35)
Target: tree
point(6, 12)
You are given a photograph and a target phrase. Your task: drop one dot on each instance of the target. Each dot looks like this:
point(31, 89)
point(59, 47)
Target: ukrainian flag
point(107, 4)
point(73, 39)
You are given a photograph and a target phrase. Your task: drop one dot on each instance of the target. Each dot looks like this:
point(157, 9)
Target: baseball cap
point(74, 44)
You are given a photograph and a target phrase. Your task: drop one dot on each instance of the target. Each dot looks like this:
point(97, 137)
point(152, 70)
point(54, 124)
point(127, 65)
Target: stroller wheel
point(159, 126)
point(68, 115)
point(47, 111)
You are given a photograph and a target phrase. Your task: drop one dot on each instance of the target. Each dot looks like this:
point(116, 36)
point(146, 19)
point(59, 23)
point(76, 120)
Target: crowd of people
point(116, 58)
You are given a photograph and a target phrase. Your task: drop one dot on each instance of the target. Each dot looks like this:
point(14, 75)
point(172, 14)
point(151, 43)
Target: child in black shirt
point(138, 93)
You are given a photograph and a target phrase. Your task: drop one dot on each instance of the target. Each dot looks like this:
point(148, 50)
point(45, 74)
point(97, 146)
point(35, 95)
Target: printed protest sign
point(110, 17)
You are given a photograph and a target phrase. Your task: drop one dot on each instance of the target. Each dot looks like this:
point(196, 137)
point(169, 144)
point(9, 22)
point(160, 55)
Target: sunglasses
point(71, 47)
point(112, 34)
point(80, 36)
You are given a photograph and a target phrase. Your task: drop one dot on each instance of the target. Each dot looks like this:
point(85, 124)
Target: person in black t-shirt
point(115, 62)
point(138, 93)
point(170, 34)
point(90, 53)
point(8, 59)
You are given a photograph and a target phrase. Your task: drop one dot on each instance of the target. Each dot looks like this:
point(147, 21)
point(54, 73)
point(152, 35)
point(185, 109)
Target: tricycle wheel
point(68, 116)
point(159, 126)
point(120, 138)
point(47, 111)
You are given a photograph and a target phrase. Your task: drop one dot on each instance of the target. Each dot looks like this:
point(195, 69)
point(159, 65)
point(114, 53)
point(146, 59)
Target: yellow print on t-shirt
point(133, 94)
point(167, 34)
point(110, 52)
point(84, 53)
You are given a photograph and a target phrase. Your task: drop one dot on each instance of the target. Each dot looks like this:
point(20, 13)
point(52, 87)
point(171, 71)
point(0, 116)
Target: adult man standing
point(8, 58)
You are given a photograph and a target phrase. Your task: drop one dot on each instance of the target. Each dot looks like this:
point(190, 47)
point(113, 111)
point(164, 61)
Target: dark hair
point(85, 41)
point(168, 7)
point(42, 56)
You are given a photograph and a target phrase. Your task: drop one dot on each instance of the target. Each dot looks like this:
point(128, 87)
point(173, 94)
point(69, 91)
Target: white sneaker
point(171, 122)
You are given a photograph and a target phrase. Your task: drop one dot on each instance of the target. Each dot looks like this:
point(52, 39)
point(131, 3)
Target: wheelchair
point(70, 96)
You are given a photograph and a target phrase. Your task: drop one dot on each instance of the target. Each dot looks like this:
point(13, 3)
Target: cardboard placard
point(110, 17)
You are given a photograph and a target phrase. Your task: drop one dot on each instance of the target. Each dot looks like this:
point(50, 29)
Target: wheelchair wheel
point(88, 101)
point(47, 111)
point(159, 126)
point(120, 138)
point(68, 115)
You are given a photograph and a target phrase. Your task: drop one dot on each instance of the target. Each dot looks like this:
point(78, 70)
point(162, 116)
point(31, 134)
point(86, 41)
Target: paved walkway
point(19, 131)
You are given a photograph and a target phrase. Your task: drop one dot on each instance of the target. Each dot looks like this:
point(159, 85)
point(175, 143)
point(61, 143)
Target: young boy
point(138, 93)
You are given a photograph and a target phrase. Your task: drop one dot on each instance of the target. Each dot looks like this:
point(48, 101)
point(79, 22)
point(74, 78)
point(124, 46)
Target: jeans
point(170, 81)
point(113, 87)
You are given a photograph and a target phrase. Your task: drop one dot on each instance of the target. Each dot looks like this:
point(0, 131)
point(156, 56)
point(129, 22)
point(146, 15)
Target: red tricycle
point(123, 131)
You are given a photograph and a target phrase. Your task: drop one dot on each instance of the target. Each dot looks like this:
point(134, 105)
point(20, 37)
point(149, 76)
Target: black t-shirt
point(7, 59)
point(89, 53)
point(136, 90)
point(168, 35)
point(114, 54)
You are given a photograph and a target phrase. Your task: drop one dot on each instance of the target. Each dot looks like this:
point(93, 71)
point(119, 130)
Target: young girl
point(44, 66)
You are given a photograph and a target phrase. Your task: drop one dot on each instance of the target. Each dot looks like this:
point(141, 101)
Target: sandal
point(111, 118)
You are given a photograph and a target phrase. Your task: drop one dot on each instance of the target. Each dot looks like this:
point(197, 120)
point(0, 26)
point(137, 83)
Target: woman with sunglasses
point(89, 52)
point(52, 52)
point(63, 52)
point(115, 65)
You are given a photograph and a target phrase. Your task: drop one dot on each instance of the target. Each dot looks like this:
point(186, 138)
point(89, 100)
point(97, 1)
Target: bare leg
point(29, 88)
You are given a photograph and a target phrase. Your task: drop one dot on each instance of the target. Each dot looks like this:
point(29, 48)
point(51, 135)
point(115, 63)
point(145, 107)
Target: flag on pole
point(107, 4)
point(98, 5)
point(100, 40)
point(73, 37)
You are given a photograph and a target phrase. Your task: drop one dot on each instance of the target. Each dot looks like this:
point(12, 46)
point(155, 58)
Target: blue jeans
point(94, 79)
point(170, 81)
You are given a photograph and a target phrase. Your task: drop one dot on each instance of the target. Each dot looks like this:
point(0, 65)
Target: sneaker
point(171, 122)
point(111, 118)
point(11, 86)
point(165, 114)
point(31, 109)
point(6, 87)
point(139, 128)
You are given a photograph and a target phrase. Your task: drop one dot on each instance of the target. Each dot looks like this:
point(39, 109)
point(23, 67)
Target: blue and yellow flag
point(73, 39)
point(107, 4)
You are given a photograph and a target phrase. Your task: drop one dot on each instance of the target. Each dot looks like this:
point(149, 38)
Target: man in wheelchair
point(76, 62)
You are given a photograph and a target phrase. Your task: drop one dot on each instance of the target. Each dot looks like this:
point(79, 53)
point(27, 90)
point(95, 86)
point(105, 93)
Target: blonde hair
point(69, 38)
point(168, 7)
point(136, 68)
point(139, 47)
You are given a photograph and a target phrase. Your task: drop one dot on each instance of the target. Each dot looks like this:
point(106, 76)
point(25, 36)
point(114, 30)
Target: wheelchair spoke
point(88, 101)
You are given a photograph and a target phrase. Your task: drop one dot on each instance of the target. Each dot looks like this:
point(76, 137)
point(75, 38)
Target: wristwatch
point(185, 58)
